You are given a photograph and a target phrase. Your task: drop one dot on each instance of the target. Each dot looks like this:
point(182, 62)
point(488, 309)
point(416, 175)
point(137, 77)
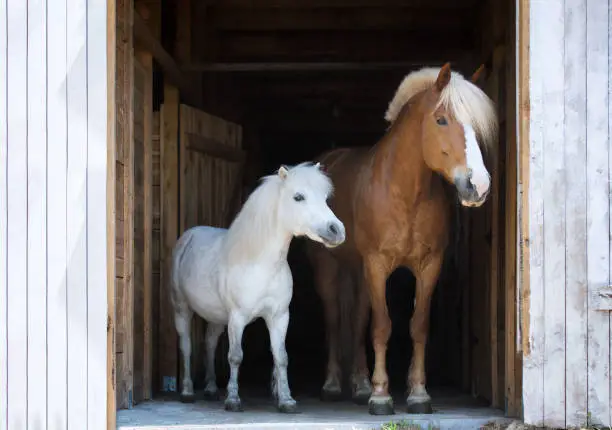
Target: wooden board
point(576, 211)
point(533, 209)
point(156, 253)
point(56, 213)
point(3, 213)
point(37, 215)
point(168, 347)
point(76, 220)
point(598, 207)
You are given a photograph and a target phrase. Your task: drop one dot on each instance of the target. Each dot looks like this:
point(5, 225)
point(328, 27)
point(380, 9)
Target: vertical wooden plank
point(576, 205)
point(77, 213)
point(533, 177)
point(3, 216)
point(37, 215)
point(598, 207)
point(168, 347)
point(554, 216)
point(98, 261)
point(111, 216)
point(56, 214)
point(17, 176)
point(147, 61)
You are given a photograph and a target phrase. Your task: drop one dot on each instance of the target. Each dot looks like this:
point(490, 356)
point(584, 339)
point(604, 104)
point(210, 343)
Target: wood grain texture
point(575, 135)
point(3, 216)
point(76, 216)
point(111, 409)
point(533, 289)
point(57, 135)
point(37, 215)
point(98, 261)
point(552, 64)
point(168, 346)
point(598, 206)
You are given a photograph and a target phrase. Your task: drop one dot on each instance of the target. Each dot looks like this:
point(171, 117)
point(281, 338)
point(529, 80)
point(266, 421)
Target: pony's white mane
point(461, 98)
point(258, 220)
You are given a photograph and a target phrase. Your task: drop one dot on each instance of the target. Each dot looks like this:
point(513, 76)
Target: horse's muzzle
point(468, 195)
point(332, 234)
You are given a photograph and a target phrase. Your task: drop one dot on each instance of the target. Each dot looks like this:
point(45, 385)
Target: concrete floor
point(450, 412)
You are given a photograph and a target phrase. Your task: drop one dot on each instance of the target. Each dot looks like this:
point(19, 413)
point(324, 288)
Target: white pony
point(232, 276)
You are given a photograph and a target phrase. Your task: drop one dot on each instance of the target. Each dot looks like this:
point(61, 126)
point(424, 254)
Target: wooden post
point(168, 347)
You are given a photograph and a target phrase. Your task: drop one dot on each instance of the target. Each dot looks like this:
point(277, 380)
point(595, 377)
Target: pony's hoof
point(331, 395)
point(380, 405)
point(233, 405)
point(211, 396)
point(419, 407)
point(289, 407)
point(187, 398)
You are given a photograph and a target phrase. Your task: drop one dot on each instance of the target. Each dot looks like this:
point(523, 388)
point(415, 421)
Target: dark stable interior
point(293, 115)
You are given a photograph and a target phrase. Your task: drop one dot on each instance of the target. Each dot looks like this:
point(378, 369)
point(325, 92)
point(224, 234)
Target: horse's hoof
point(211, 396)
point(289, 407)
point(380, 405)
point(331, 395)
point(233, 405)
point(361, 398)
point(187, 398)
point(419, 407)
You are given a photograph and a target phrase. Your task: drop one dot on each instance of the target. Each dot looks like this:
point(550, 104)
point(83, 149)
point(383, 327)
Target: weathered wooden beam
point(321, 19)
point(214, 148)
point(148, 42)
point(305, 4)
point(602, 298)
point(356, 46)
point(306, 66)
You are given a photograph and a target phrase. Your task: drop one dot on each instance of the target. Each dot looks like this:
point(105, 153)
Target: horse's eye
point(298, 197)
point(441, 121)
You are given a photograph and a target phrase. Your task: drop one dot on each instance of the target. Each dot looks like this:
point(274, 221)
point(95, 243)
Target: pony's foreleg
point(277, 326)
point(182, 321)
point(418, 400)
point(235, 328)
point(213, 331)
point(360, 378)
point(376, 272)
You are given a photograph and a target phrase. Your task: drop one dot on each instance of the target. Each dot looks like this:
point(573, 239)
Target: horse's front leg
point(277, 326)
point(235, 328)
point(360, 379)
point(418, 400)
point(376, 272)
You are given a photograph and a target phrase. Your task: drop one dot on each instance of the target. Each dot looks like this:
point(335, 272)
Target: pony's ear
point(283, 171)
point(443, 77)
point(477, 74)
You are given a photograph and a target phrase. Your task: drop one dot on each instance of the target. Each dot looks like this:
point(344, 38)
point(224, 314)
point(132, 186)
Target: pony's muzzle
point(332, 234)
point(468, 194)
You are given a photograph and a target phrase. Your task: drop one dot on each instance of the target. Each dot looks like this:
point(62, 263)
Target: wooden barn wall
point(565, 83)
point(53, 213)
point(201, 160)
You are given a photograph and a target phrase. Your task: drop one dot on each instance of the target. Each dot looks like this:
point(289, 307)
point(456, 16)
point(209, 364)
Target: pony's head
point(457, 119)
point(303, 208)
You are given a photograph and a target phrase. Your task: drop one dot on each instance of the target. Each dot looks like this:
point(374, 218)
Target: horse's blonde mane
point(257, 221)
point(461, 98)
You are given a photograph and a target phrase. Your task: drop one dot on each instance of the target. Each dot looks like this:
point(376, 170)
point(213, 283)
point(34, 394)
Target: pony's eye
point(441, 121)
point(298, 197)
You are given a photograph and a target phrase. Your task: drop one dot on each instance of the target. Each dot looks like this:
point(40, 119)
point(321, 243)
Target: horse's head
point(456, 114)
point(303, 205)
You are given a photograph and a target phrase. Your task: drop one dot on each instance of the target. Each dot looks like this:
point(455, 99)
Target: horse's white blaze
point(480, 176)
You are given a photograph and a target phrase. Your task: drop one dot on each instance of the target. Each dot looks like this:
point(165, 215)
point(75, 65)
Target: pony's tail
point(182, 244)
point(347, 315)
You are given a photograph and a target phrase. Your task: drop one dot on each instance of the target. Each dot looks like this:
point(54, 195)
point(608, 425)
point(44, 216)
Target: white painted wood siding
point(53, 165)
point(566, 374)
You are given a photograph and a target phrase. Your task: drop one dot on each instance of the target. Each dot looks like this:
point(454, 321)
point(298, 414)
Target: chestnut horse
point(396, 211)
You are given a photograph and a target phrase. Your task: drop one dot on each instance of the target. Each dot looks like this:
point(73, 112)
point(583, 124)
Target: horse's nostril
point(333, 229)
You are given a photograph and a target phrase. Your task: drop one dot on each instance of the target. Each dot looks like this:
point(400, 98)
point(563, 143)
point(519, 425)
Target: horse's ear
point(283, 171)
point(477, 74)
point(443, 77)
